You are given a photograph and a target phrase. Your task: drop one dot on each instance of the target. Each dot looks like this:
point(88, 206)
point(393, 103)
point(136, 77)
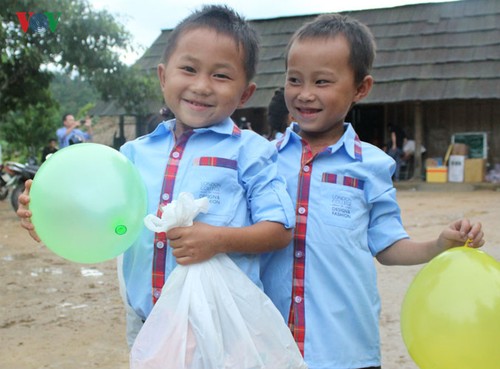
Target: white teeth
point(197, 103)
point(308, 111)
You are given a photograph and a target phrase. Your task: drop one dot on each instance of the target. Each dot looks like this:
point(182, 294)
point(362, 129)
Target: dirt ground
point(62, 315)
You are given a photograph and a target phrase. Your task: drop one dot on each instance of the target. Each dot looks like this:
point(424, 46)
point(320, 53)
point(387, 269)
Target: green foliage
point(84, 111)
point(73, 94)
point(30, 129)
point(136, 89)
point(84, 42)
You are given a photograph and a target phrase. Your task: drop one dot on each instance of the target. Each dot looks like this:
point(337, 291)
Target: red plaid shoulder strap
point(160, 240)
point(296, 318)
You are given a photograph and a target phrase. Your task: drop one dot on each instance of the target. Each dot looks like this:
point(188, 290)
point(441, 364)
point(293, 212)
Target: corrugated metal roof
point(424, 52)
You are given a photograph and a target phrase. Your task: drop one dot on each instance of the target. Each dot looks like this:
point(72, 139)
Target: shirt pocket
point(216, 178)
point(343, 201)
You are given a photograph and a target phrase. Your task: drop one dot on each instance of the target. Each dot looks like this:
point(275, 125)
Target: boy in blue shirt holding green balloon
point(205, 74)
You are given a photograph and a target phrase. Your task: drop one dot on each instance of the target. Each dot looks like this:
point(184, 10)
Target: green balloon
point(88, 203)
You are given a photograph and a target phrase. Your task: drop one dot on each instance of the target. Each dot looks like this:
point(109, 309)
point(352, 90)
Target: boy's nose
point(305, 95)
point(201, 85)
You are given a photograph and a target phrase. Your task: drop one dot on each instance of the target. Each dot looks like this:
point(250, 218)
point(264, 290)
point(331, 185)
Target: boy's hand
point(24, 213)
point(459, 232)
point(193, 244)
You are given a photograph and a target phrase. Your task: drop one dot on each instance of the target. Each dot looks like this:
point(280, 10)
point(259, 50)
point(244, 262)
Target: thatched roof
point(425, 52)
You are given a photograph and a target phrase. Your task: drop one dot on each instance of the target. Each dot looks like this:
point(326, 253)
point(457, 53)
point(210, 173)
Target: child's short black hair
point(358, 35)
point(223, 20)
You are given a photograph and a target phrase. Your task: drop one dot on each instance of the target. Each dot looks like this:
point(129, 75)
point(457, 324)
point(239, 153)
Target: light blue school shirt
point(249, 193)
point(346, 228)
point(80, 136)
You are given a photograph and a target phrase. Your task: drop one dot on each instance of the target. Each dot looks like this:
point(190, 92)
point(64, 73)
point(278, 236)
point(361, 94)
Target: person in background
point(395, 147)
point(277, 115)
point(409, 149)
point(324, 283)
point(245, 124)
point(49, 149)
point(70, 134)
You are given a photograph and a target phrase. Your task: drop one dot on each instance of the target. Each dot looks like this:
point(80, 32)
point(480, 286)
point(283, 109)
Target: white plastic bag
point(179, 213)
point(212, 316)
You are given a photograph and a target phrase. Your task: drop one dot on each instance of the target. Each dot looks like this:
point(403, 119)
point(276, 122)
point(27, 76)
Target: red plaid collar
point(349, 140)
point(227, 127)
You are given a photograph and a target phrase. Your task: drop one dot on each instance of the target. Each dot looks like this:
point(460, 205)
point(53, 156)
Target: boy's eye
point(221, 76)
point(293, 80)
point(322, 82)
point(188, 69)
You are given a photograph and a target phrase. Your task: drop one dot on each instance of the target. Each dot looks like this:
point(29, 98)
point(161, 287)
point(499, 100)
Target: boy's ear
point(161, 75)
point(247, 94)
point(364, 88)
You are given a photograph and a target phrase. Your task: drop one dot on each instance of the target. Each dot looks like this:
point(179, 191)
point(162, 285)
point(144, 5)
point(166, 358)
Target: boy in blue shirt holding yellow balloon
point(205, 74)
point(324, 282)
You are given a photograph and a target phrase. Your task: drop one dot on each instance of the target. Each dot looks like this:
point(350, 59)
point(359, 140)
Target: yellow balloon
point(450, 317)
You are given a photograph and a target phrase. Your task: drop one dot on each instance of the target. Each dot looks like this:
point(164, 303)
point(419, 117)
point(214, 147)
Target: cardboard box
point(474, 170)
point(460, 149)
point(456, 168)
point(437, 174)
point(433, 162)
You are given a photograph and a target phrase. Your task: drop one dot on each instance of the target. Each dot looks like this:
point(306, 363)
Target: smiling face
point(204, 80)
point(320, 86)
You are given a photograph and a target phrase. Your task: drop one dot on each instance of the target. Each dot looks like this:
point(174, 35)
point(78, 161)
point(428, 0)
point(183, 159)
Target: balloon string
point(467, 242)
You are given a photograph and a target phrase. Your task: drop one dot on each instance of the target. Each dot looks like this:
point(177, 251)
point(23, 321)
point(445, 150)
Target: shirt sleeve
point(126, 149)
point(265, 190)
point(60, 135)
point(385, 224)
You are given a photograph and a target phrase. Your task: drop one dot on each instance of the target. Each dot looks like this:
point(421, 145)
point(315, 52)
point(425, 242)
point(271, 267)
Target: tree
point(23, 130)
point(38, 37)
point(72, 93)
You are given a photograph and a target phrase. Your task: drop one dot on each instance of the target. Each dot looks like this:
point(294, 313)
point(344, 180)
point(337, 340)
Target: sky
point(145, 19)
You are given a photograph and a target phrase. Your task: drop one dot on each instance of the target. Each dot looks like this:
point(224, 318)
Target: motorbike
point(4, 179)
point(14, 175)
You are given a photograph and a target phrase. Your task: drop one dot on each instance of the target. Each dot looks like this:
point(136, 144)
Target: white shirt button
point(175, 154)
point(156, 293)
point(165, 196)
point(299, 254)
point(302, 210)
point(298, 299)
point(306, 168)
point(160, 244)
